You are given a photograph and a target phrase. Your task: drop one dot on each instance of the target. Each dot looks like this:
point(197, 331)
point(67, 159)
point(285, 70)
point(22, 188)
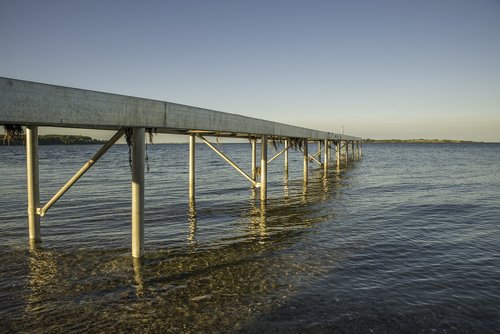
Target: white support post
point(263, 170)
point(327, 158)
point(346, 152)
point(254, 159)
point(192, 146)
point(138, 149)
point(319, 151)
point(287, 143)
point(337, 153)
point(33, 183)
point(306, 161)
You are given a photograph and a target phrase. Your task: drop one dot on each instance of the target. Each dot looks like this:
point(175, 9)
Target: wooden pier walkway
point(33, 104)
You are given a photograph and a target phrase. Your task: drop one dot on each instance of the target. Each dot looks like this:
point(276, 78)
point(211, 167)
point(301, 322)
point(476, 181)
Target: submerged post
point(337, 153)
point(138, 192)
point(192, 144)
point(306, 161)
point(327, 157)
point(263, 170)
point(33, 183)
point(254, 159)
point(287, 142)
point(346, 145)
point(319, 151)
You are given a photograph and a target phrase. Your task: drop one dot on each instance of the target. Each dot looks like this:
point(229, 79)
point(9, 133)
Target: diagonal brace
point(280, 153)
point(229, 161)
point(312, 158)
point(42, 211)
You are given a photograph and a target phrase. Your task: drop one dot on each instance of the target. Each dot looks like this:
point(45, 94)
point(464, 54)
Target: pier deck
point(32, 104)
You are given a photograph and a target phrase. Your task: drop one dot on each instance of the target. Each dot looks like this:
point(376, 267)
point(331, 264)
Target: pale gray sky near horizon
point(383, 69)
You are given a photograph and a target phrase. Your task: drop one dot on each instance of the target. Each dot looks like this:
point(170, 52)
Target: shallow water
point(407, 239)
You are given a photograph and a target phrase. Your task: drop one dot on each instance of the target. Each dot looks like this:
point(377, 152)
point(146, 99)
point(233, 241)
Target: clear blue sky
point(383, 69)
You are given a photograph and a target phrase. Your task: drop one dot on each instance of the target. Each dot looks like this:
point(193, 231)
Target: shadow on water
point(179, 289)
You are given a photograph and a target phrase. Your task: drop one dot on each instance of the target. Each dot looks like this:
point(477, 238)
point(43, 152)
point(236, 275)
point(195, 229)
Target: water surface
point(407, 239)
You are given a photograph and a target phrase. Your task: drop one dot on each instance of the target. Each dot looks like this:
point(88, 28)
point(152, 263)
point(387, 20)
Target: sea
point(405, 239)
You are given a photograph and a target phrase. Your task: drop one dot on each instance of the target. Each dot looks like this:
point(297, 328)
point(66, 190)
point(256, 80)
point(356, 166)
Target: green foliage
point(52, 140)
point(13, 132)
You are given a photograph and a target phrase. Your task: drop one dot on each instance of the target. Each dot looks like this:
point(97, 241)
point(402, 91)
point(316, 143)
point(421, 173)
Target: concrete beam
point(26, 103)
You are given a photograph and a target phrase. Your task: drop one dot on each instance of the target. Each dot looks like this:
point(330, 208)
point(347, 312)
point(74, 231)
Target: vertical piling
point(353, 151)
point(254, 159)
point(319, 151)
point(192, 145)
point(337, 153)
point(33, 183)
point(138, 192)
point(327, 155)
point(346, 145)
point(306, 161)
point(263, 170)
point(287, 142)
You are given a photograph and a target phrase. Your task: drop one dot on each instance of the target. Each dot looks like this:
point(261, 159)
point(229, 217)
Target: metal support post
point(326, 155)
point(192, 145)
point(287, 143)
point(263, 170)
point(319, 151)
point(306, 161)
point(33, 183)
point(337, 153)
point(138, 192)
point(254, 159)
point(346, 152)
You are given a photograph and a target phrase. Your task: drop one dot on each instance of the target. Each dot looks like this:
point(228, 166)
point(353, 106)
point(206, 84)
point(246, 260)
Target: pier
point(32, 105)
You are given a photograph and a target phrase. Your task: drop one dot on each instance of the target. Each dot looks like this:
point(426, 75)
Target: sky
point(380, 68)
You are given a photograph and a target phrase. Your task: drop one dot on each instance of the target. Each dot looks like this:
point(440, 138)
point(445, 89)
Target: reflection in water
point(43, 278)
point(325, 265)
point(138, 277)
point(257, 217)
point(286, 190)
point(262, 224)
point(304, 192)
point(192, 224)
point(187, 289)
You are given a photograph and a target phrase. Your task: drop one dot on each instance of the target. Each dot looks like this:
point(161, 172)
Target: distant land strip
point(55, 140)
point(425, 141)
point(86, 140)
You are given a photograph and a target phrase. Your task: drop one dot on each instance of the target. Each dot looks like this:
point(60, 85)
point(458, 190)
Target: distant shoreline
point(86, 140)
point(424, 141)
point(56, 140)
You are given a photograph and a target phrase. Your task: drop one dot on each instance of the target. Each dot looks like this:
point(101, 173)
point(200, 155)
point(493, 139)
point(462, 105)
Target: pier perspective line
point(32, 105)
